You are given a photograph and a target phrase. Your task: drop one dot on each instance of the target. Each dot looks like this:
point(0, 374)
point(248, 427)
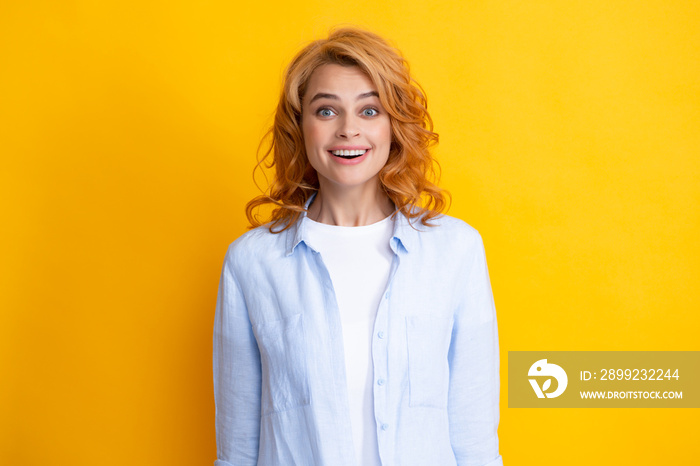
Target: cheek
point(312, 133)
point(382, 133)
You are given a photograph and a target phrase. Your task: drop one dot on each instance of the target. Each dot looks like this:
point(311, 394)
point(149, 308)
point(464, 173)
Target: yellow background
point(569, 139)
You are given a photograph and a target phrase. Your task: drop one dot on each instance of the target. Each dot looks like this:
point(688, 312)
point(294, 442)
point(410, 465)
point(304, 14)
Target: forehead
point(344, 81)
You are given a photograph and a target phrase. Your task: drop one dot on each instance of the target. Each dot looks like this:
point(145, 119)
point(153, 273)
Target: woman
point(357, 326)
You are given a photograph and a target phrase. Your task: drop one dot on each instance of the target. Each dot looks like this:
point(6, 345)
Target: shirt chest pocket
point(285, 382)
point(428, 342)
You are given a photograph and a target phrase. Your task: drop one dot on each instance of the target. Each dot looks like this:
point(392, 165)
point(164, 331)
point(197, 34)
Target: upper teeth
point(349, 152)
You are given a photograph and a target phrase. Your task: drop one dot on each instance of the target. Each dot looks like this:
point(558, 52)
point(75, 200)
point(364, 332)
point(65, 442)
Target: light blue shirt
point(279, 371)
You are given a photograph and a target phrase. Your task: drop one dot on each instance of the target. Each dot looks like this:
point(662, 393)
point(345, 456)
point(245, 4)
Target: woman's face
point(347, 132)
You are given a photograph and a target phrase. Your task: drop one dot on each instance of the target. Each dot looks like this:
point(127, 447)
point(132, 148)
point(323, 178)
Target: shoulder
point(450, 232)
point(256, 246)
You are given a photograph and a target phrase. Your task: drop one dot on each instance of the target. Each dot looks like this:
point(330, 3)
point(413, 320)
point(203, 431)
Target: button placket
point(380, 357)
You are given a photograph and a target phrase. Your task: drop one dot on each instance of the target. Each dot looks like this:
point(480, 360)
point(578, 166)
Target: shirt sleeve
point(474, 389)
point(237, 375)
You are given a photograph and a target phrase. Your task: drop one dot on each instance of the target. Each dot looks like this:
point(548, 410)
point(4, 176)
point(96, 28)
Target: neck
point(350, 207)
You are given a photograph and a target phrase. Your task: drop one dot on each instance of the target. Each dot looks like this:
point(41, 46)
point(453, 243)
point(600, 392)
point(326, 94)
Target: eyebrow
point(321, 95)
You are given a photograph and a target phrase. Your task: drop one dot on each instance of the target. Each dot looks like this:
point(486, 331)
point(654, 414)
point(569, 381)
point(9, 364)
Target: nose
point(348, 127)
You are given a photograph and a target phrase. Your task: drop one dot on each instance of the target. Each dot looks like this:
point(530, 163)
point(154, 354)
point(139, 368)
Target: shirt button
point(380, 334)
point(386, 295)
point(380, 382)
point(385, 426)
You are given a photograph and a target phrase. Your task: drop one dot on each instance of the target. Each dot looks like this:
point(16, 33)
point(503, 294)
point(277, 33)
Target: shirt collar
point(405, 234)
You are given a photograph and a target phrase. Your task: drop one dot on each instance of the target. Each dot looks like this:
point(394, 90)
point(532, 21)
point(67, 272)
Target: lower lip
point(354, 161)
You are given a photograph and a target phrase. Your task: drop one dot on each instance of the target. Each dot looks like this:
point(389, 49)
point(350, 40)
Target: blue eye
point(325, 112)
point(370, 110)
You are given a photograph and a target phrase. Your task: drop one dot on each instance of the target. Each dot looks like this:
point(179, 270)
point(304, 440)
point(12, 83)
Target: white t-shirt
point(359, 261)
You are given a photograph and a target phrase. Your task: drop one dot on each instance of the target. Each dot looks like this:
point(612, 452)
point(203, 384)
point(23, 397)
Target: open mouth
point(349, 154)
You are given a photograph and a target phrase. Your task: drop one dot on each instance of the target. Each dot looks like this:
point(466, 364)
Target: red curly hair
point(406, 177)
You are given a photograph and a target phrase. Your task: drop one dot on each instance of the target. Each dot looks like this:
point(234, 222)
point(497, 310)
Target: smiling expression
point(347, 132)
